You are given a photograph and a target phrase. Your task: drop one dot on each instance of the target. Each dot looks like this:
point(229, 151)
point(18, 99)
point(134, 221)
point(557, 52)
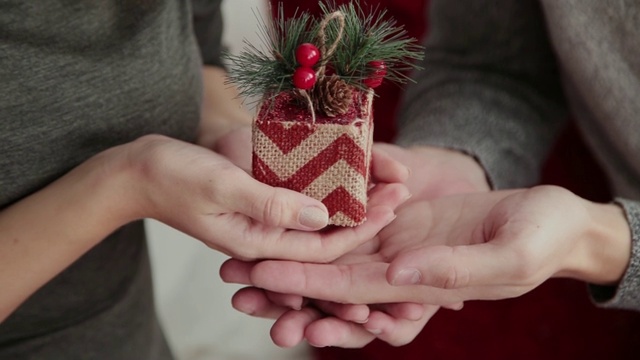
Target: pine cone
point(332, 96)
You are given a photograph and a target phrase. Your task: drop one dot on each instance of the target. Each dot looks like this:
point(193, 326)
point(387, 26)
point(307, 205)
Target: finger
point(454, 267)
point(260, 242)
point(331, 331)
point(370, 247)
point(348, 312)
point(236, 271)
point(385, 168)
point(276, 206)
point(288, 330)
point(358, 283)
point(294, 302)
point(397, 332)
point(253, 301)
point(390, 195)
point(321, 246)
point(347, 283)
point(406, 310)
point(457, 306)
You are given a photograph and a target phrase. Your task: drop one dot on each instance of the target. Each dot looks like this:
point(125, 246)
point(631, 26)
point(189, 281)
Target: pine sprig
point(366, 37)
point(369, 37)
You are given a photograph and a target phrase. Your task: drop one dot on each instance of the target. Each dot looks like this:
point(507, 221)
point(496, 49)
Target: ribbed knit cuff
point(626, 295)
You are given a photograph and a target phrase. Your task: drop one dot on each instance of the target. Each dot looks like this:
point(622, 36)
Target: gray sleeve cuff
point(626, 295)
point(207, 26)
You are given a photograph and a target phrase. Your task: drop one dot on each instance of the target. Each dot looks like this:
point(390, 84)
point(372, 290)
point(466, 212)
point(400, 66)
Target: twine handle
point(306, 96)
point(322, 40)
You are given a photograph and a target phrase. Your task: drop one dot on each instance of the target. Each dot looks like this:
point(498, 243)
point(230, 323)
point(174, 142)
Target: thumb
point(450, 267)
point(278, 206)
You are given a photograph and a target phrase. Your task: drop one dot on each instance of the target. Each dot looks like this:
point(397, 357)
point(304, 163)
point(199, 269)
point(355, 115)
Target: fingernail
point(315, 345)
point(362, 321)
point(313, 217)
point(407, 277)
point(391, 219)
point(375, 331)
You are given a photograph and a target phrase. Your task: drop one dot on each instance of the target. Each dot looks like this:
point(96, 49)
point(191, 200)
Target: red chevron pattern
point(341, 201)
point(329, 162)
point(286, 138)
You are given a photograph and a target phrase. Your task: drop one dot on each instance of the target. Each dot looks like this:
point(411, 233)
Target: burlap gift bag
point(313, 132)
point(327, 158)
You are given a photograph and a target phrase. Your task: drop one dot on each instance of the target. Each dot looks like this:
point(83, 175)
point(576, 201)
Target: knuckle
point(274, 209)
point(452, 276)
point(449, 278)
point(347, 280)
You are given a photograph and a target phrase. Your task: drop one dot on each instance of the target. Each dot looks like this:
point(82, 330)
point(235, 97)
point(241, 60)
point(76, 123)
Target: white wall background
point(193, 303)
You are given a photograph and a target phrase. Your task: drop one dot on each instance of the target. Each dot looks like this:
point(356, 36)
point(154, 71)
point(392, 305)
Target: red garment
point(555, 321)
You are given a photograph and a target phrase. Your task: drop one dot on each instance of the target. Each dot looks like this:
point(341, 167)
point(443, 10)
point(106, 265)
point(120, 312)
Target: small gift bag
point(327, 159)
point(313, 131)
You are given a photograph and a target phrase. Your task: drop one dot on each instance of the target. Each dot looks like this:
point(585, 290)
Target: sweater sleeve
point(490, 88)
point(207, 25)
point(626, 295)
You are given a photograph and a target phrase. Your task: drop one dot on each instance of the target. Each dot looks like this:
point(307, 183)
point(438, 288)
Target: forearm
point(222, 109)
point(44, 233)
point(490, 88)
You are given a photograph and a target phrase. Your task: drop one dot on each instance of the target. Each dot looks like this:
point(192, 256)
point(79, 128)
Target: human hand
point(434, 172)
point(326, 323)
point(437, 172)
point(204, 195)
point(483, 246)
point(236, 146)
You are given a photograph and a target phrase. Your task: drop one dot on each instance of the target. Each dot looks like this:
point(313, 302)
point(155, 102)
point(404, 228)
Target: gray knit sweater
point(78, 77)
point(500, 76)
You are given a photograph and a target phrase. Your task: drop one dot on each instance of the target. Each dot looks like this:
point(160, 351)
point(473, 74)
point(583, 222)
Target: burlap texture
point(329, 162)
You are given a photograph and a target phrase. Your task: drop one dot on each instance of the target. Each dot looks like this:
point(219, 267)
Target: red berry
point(304, 78)
point(307, 55)
point(378, 65)
point(372, 83)
point(377, 73)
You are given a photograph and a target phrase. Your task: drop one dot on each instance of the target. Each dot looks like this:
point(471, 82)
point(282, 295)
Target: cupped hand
point(434, 173)
point(206, 196)
point(437, 172)
point(478, 246)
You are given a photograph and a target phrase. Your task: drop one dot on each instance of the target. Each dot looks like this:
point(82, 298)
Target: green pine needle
point(366, 37)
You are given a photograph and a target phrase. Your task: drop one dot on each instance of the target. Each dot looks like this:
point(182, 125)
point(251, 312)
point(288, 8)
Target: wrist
point(604, 247)
point(111, 180)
